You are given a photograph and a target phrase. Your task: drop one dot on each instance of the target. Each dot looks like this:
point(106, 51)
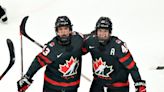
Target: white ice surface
point(137, 22)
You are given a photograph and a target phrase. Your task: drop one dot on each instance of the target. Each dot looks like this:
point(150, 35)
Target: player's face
point(103, 33)
point(63, 31)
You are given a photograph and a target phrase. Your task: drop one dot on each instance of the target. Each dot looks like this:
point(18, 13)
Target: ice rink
point(140, 23)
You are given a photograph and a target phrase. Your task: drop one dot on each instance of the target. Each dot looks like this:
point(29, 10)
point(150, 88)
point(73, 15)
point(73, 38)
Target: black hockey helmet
point(104, 22)
point(63, 21)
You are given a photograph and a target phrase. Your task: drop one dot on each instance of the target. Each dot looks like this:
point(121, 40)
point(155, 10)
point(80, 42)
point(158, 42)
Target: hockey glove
point(24, 83)
point(140, 86)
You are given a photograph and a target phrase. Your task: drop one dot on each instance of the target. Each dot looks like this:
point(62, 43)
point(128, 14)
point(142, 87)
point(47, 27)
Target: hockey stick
point(160, 68)
point(23, 32)
point(21, 45)
point(12, 57)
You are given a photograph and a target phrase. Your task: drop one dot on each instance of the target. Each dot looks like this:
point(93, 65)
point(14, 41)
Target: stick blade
point(160, 68)
point(23, 24)
point(11, 49)
point(12, 57)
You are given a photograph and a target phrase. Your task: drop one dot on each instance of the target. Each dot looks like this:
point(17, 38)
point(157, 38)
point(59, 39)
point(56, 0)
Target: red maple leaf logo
point(101, 69)
point(97, 63)
point(68, 68)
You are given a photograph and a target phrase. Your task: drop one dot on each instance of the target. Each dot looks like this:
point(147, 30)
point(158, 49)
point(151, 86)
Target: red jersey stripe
point(120, 84)
point(40, 62)
point(84, 50)
point(45, 58)
point(63, 84)
point(123, 59)
point(131, 65)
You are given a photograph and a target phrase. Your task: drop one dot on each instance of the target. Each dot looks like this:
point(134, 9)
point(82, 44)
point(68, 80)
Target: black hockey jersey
point(112, 63)
point(63, 68)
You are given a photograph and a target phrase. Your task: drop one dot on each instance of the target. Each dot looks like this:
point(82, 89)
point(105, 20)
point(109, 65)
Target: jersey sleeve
point(42, 59)
point(127, 60)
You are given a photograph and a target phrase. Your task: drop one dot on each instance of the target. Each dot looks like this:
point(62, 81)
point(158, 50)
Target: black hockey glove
point(140, 86)
point(24, 83)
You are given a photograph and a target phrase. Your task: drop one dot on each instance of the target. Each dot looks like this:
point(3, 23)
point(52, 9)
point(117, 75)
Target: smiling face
point(103, 34)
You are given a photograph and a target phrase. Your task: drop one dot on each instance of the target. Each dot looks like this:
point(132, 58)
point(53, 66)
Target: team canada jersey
point(63, 68)
point(113, 62)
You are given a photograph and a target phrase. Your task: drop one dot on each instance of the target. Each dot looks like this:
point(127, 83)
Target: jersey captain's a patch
point(112, 51)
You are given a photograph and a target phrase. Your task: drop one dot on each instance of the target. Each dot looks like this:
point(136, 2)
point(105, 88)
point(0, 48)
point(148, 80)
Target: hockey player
point(112, 61)
point(3, 16)
point(62, 55)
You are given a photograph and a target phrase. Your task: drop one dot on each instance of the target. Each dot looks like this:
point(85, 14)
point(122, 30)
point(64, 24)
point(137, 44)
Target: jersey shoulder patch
point(121, 45)
point(51, 43)
point(117, 40)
